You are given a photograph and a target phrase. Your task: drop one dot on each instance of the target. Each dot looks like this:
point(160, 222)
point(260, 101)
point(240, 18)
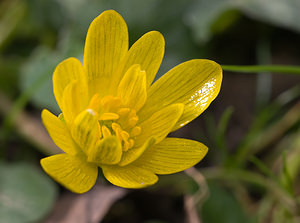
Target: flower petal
point(132, 88)
point(74, 101)
point(195, 83)
point(159, 124)
point(129, 176)
point(67, 71)
point(85, 130)
point(59, 133)
point(135, 152)
point(172, 155)
point(148, 51)
point(70, 171)
point(107, 151)
point(106, 45)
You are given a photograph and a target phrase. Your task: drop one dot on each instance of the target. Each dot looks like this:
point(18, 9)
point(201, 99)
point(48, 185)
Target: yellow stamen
point(132, 121)
point(131, 143)
point(117, 129)
point(125, 135)
point(105, 131)
point(109, 116)
point(123, 111)
point(125, 146)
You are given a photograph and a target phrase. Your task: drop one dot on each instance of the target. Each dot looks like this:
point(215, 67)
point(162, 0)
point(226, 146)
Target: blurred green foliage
point(253, 180)
point(27, 194)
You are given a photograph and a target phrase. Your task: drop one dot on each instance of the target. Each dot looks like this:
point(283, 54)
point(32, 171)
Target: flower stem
point(263, 68)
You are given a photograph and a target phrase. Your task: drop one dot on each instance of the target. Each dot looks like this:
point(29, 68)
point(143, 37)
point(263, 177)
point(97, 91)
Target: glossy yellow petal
point(106, 45)
point(67, 71)
point(85, 130)
point(129, 176)
point(148, 52)
point(74, 101)
point(106, 151)
point(70, 171)
point(172, 155)
point(59, 132)
point(160, 124)
point(135, 152)
point(132, 88)
point(195, 83)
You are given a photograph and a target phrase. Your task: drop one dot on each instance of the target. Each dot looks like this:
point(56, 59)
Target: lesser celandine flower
point(114, 118)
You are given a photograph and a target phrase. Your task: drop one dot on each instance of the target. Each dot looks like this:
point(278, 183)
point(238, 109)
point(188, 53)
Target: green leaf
point(26, 194)
point(203, 15)
point(222, 206)
point(277, 12)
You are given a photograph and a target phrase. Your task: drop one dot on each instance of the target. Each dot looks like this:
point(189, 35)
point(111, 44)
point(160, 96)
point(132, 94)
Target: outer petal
point(59, 133)
point(67, 71)
point(148, 51)
point(106, 45)
point(129, 176)
point(132, 88)
point(159, 124)
point(70, 171)
point(195, 83)
point(74, 101)
point(172, 155)
point(85, 130)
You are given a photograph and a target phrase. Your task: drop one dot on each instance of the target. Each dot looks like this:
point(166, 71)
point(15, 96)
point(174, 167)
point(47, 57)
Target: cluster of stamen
point(116, 119)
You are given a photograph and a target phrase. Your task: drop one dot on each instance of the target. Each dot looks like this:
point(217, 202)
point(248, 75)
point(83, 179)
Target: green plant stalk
point(263, 68)
point(250, 177)
point(268, 136)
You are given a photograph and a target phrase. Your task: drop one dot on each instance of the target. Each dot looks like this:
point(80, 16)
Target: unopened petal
point(71, 171)
point(172, 155)
point(106, 45)
point(107, 151)
point(85, 130)
point(132, 88)
point(59, 132)
point(195, 83)
point(129, 176)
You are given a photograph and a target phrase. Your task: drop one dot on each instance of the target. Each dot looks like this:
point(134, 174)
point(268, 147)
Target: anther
point(117, 129)
point(132, 121)
point(105, 131)
point(123, 111)
point(125, 135)
point(109, 116)
point(131, 143)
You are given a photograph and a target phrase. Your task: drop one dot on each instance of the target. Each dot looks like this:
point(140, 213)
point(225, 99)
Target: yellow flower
point(114, 118)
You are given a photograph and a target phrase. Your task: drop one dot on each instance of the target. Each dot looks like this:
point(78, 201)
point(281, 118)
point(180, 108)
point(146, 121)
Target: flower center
point(116, 119)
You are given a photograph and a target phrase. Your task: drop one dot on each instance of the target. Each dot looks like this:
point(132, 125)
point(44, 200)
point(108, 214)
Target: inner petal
point(107, 151)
